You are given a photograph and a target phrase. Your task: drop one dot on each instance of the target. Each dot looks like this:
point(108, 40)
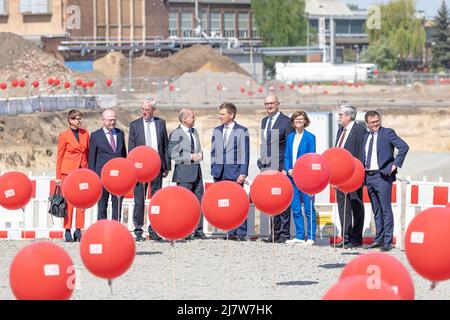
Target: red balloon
point(42, 271)
point(146, 162)
point(15, 190)
point(82, 188)
point(67, 85)
point(282, 86)
point(84, 84)
point(22, 83)
point(225, 205)
point(119, 176)
point(79, 82)
point(57, 82)
point(15, 83)
point(242, 89)
point(261, 89)
point(312, 173)
point(361, 288)
point(109, 82)
point(271, 192)
point(174, 212)
point(35, 84)
point(387, 268)
point(426, 244)
point(3, 86)
point(448, 205)
point(341, 165)
point(107, 249)
point(91, 83)
point(356, 180)
point(171, 87)
point(292, 86)
point(299, 85)
point(375, 72)
point(50, 81)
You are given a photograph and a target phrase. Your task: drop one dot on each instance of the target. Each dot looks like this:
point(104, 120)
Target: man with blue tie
point(381, 167)
point(105, 144)
point(230, 155)
point(150, 131)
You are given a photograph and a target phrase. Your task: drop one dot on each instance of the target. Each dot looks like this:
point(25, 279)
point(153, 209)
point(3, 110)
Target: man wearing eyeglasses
point(151, 131)
point(275, 128)
point(106, 143)
point(381, 166)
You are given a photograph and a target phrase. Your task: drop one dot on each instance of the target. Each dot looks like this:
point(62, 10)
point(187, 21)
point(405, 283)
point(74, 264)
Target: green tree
point(401, 28)
point(440, 38)
point(280, 23)
point(381, 53)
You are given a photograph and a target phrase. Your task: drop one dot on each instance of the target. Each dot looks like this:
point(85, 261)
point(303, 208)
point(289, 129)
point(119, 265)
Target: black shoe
point(200, 235)
point(269, 240)
point(373, 245)
point(386, 248)
point(68, 236)
point(340, 243)
point(140, 238)
point(77, 235)
point(281, 240)
point(233, 237)
point(352, 245)
point(155, 237)
point(242, 238)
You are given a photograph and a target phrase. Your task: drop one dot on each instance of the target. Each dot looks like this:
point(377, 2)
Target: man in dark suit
point(381, 167)
point(350, 136)
point(230, 155)
point(105, 144)
point(186, 151)
point(151, 131)
point(275, 129)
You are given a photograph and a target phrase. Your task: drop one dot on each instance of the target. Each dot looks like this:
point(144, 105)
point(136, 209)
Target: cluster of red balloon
point(373, 276)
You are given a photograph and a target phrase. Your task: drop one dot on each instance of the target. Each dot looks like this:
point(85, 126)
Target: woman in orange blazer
point(73, 150)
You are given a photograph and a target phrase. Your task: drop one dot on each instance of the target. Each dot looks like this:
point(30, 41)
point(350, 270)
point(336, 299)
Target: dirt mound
point(21, 59)
point(114, 65)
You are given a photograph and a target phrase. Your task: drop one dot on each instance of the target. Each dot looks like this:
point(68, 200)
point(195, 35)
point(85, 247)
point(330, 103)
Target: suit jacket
point(307, 145)
point(71, 154)
point(100, 151)
point(137, 138)
point(284, 128)
point(386, 142)
point(355, 140)
point(233, 160)
point(180, 152)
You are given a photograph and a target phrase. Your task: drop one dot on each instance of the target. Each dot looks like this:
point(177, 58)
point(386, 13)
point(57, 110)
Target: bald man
point(105, 144)
point(186, 151)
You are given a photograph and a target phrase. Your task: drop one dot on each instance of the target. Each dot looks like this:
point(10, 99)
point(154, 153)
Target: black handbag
point(58, 205)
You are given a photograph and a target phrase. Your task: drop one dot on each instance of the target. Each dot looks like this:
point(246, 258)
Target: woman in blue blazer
point(299, 143)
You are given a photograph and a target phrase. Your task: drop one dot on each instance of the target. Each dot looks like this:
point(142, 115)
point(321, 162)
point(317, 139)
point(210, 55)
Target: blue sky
point(429, 6)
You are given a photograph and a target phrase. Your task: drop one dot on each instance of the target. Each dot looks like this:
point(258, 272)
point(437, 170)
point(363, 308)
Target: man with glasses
point(350, 136)
point(105, 144)
point(151, 131)
point(381, 166)
point(275, 128)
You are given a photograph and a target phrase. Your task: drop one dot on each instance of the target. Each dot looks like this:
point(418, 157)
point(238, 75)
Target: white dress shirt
point(349, 128)
point(374, 158)
point(153, 135)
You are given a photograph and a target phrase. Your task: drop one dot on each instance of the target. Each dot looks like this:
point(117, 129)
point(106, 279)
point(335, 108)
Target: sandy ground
point(215, 269)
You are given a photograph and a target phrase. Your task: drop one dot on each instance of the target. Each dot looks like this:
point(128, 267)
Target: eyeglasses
point(78, 118)
point(147, 110)
point(374, 122)
point(270, 103)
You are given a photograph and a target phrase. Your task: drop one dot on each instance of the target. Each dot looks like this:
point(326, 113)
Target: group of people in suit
point(283, 140)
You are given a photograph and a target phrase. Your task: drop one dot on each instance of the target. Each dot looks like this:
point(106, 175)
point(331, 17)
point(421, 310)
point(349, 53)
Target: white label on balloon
point(51, 270)
point(316, 167)
point(276, 191)
point(154, 210)
point(84, 186)
point(114, 173)
point(96, 248)
point(9, 193)
point(138, 165)
point(223, 203)
point(395, 289)
point(417, 237)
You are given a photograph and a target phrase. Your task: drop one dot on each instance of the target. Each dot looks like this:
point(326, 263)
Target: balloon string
point(334, 229)
point(311, 214)
point(173, 269)
point(343, 227)
point(110, 286)
point(227, 267)
point(273, 252)
point(433, 285)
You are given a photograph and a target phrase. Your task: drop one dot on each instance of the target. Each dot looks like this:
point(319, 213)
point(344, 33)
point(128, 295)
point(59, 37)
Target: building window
point(187, 24)
point(255, 33)
point(243, 25)
point(3, 8)
point(35, 7)
point(229, 31)
point(342, 26)
point(204, 20)
point(173, 23)
point(357, 27)
point(215, 27)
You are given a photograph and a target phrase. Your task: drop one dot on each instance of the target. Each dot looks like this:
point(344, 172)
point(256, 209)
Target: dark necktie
point(369, 152)
point(112, 142)
point(225, 137)
point(269, 130)
point(191, 130)
point(341, 140)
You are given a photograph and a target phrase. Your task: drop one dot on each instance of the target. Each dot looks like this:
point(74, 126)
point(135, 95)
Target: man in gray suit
point(186, 151)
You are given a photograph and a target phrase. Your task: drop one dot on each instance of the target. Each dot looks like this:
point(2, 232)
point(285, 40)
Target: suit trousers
point(103, 206)
point(354, 216)
point(197, 188)
point(140, 192)
point(79, 222)
point(380, 193)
